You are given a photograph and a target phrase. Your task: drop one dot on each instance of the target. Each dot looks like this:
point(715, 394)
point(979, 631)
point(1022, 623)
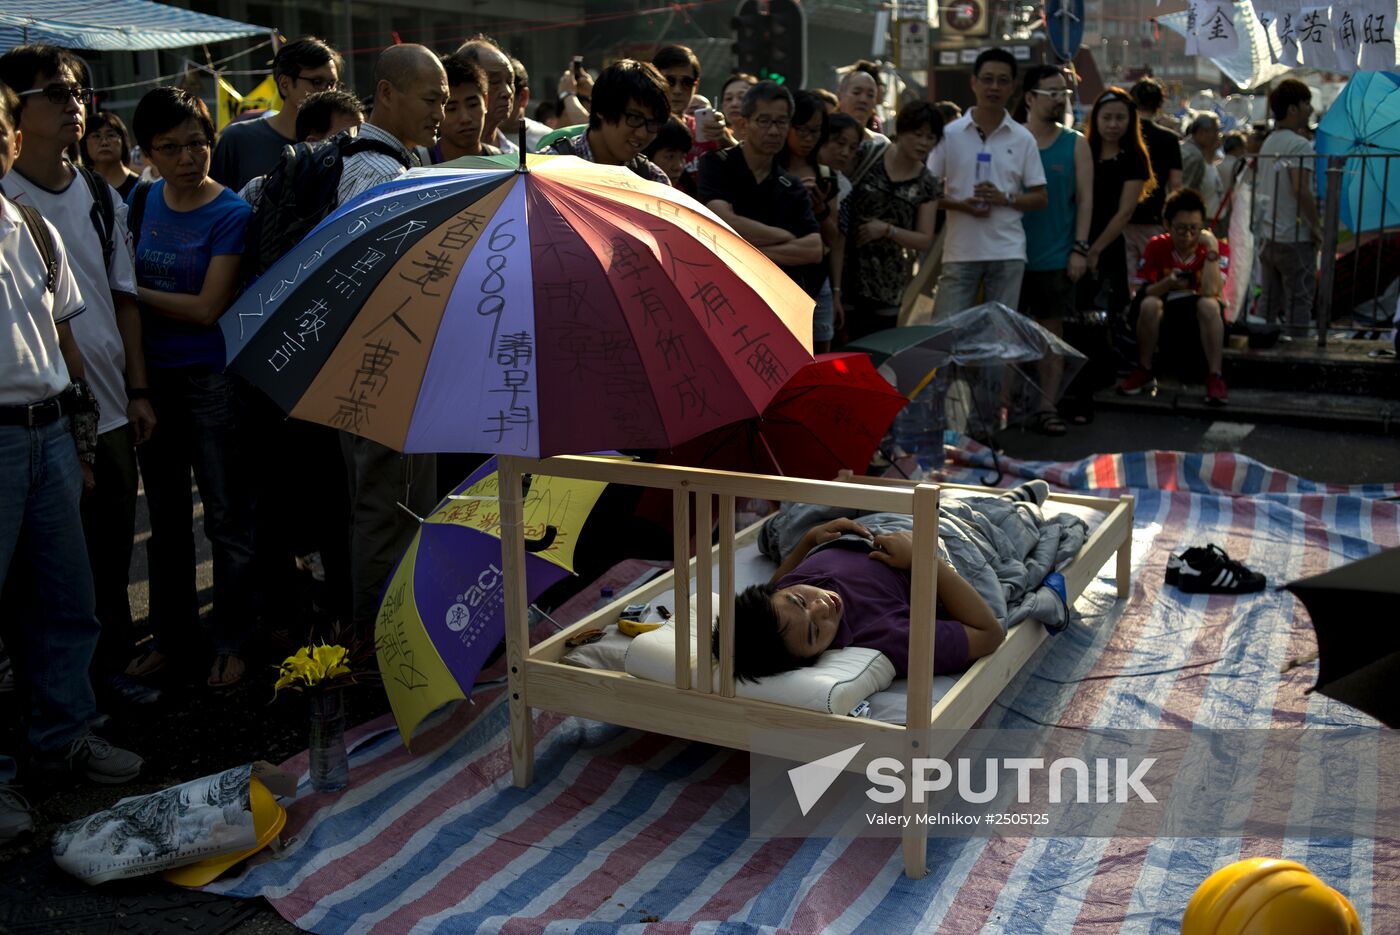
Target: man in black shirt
point(1164, 151)
point(750, 192)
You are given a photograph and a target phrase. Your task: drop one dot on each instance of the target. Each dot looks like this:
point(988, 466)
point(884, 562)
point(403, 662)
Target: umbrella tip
point(522, 167)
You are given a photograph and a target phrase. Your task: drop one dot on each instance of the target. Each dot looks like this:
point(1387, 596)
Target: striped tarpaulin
point(114, 24)
point(622, 827)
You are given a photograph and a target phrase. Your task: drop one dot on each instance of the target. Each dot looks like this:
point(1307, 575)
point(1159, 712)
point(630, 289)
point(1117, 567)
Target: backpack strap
point(137, 212)
point(43, 239)
point(103, 216)
point(874, 153)
point(361, 144)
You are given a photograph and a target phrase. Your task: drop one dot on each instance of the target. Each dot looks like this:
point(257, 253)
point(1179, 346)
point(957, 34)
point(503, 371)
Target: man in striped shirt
point(410, 95)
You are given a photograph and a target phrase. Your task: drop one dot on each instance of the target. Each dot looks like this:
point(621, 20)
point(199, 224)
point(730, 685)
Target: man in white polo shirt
point(991, 171)
point(41, 483)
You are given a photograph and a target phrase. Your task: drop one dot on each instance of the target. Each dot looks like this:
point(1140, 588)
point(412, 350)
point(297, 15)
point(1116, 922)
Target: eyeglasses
point(636, 121)
point(684, 81)
point(1056, 93)
point(771, 123)
point(58, 94)
point(195, 148)
point(320, 84)
point(808, 133)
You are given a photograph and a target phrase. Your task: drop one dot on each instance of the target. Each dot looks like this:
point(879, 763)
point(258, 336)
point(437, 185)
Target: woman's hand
point(895, 549)
point(871, 231)
point(838, 313)
point(834, 530)
point(1093, 260)
point(1076, 267)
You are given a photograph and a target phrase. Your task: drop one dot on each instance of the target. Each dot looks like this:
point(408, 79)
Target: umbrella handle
point(544, 541)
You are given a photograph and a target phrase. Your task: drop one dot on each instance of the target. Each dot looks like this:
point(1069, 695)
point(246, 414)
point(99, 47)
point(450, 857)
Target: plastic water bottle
point(983, 173)
point(918, 430)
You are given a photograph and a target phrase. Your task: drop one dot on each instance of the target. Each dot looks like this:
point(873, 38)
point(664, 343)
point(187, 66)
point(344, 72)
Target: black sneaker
point(128, 690)
point(1210, 570)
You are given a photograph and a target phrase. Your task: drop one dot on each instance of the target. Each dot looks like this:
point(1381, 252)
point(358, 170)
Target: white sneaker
point(15, 817)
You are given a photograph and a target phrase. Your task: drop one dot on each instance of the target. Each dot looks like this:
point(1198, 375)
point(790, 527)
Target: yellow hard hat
point(268, 819)
point(1264, 896)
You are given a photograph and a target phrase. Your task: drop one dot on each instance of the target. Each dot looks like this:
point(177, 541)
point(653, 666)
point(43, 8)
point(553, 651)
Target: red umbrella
point(831, 414)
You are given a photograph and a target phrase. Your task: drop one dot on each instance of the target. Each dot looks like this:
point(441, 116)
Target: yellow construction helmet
point(1264, 896)
point(268, 819)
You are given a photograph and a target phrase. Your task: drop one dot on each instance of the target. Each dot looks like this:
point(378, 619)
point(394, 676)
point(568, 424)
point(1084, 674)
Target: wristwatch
point(1212, 256)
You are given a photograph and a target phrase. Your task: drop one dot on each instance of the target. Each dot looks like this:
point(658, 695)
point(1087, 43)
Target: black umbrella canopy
point(1355, 610)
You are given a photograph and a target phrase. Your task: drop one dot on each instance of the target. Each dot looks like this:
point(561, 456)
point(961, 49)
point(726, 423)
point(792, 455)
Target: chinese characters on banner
point(1193, 20)
point(1216, 35)
point(1315, 38)
point(1340, 37)
point(1376, 22)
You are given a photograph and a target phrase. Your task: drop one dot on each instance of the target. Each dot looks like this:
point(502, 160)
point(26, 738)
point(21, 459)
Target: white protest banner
point(1346, 36)
point(1216, 33)
point(1267, 15)
point(1315, 38)
point(1289, 12)
point(1377, 23)
point(1193, 18)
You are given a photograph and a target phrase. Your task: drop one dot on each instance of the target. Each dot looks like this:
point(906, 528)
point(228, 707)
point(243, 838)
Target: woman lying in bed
point(854, 593)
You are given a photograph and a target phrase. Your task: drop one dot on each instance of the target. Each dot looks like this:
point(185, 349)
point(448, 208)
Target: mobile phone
point(578, 66)
point(703, 113)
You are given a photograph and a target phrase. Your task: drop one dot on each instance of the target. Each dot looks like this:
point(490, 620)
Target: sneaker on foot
point(99, 761)
point(1210, 570)
point(128, 690)
point(15, 817)
point(1134, 383)
point(1216, 393)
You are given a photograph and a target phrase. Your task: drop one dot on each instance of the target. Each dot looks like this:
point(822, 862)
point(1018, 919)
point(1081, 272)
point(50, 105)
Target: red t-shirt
point(1159, 258)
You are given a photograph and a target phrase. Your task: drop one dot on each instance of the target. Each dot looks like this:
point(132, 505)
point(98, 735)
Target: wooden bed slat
point(704, 595)
point(680, 547)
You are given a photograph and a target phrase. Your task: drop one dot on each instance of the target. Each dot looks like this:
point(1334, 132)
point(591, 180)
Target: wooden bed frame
point(538, 679)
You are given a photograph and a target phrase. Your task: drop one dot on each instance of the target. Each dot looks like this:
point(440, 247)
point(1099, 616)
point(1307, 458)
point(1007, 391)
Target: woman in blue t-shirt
point(188, 250)
point(839, 597)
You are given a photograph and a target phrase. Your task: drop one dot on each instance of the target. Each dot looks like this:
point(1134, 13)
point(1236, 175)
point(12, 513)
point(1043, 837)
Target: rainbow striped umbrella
point(530, 309)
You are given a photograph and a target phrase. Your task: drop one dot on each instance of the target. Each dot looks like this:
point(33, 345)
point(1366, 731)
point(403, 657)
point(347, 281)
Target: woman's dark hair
point(759, 649)
point(546, 111)
point(839, 123)
point(305, 53)
point(676, 56)
point(21, 66)
point(762, 93)
point(623, 82)
point(1233, 143)
point(1132, 144)
point(319, 110)
point(674, 134)
point(463, 70)
point(1183, 199)
point(1030, 81)
point(163, 109)
point(805, 106)
point(916, 115)
point(743, 76)
point(102, 121)
point(1285, 94)
point(828, 98)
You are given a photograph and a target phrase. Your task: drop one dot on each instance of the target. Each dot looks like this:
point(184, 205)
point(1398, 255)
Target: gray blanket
point(1004, 549)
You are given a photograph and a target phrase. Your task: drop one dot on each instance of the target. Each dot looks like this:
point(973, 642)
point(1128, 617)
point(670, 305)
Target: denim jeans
point(109, 525)
point(1290, 284)
point(197, 427)
point(957, 286)
point(51, 642)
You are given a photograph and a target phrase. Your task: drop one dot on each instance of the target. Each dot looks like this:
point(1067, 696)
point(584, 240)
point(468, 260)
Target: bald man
point(857, 95)
point(500, 90)
point(410, 94)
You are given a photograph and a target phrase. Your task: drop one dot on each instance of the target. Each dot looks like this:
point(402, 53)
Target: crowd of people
point(115, 275)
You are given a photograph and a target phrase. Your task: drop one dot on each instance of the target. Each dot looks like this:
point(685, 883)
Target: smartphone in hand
point(577, 66)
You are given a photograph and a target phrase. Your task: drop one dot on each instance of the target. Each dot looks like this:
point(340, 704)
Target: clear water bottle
point(918, 430)
point(983, 173)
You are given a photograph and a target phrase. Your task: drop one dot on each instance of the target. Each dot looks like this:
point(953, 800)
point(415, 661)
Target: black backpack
point(298, 193)
point(103, 217)
point(44, 241)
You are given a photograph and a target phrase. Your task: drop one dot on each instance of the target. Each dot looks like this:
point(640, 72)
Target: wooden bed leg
point(522, 734)
point(1125, 555)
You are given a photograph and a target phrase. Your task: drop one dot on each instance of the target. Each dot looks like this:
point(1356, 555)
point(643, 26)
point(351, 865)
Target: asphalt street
point(194, 731)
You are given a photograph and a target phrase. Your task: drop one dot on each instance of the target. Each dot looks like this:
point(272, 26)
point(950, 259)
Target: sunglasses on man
point(58, 94)
point(684, 81)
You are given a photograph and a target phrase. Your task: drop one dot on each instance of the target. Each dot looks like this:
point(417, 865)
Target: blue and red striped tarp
point(623, 827)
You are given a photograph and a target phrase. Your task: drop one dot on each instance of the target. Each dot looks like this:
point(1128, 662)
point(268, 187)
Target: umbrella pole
point(522, 734)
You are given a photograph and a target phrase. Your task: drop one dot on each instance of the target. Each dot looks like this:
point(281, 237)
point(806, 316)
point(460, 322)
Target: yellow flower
point(331, 661)
point(312, 665)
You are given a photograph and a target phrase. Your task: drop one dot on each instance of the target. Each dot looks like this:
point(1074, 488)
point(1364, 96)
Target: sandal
point(223, 675)
point(149, 663)
point(1049, 423)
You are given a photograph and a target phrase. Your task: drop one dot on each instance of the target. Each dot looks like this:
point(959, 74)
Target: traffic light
point(751, 38)
point(787, 51)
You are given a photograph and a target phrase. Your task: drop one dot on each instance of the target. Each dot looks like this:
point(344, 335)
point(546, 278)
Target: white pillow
point(839, 681)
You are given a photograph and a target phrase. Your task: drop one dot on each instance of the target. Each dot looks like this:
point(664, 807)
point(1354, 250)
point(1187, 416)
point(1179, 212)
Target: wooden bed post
point(522, 733)
point(1125, 552)
point(680, 548)
point(923, 597)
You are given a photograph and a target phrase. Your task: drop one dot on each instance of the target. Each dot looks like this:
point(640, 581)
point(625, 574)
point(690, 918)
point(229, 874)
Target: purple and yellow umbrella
point(553, 307)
